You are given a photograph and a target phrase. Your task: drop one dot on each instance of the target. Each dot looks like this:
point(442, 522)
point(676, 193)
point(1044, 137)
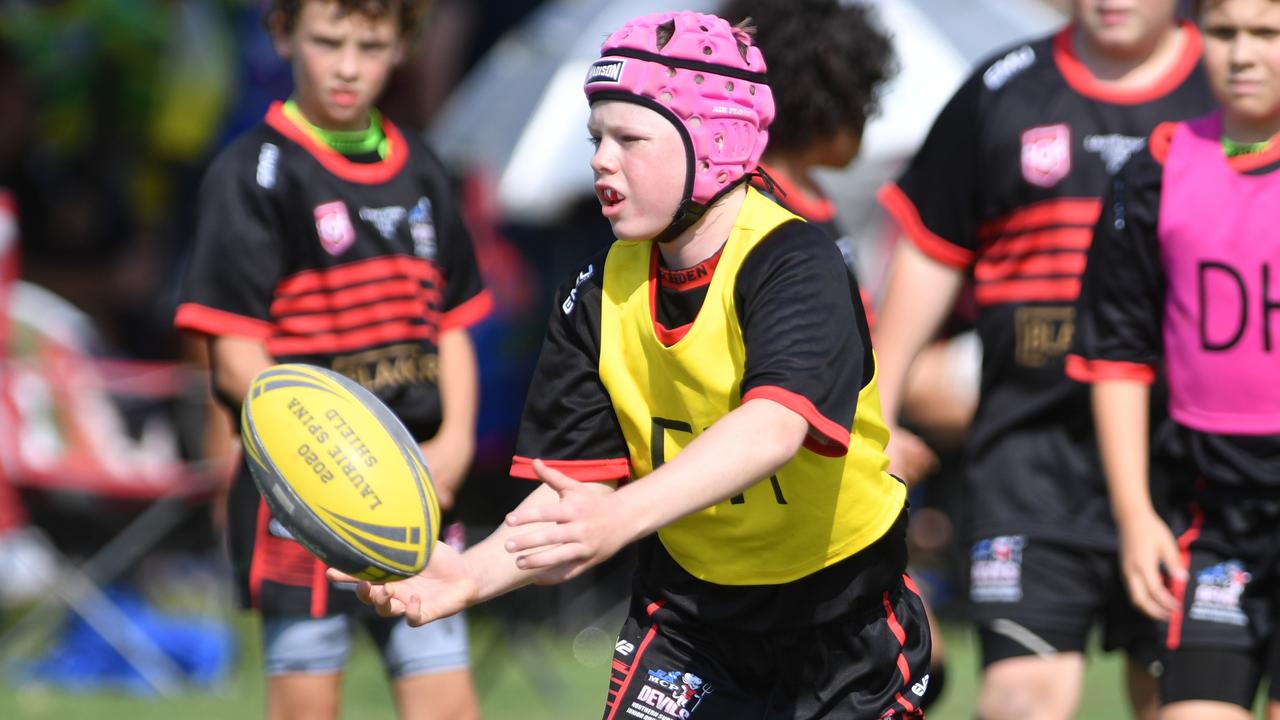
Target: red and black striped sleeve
point(805, 332)
point(238, 253)
point(933, 202)
point(569, 421)
point(1121, 304)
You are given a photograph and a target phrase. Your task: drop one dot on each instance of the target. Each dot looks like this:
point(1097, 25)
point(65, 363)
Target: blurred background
point(114, 596)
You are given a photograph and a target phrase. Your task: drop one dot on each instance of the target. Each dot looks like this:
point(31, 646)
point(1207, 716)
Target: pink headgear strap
point(719, 101)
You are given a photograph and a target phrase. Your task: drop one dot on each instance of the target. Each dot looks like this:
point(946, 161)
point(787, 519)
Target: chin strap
point(771, 186)
point(690, 212)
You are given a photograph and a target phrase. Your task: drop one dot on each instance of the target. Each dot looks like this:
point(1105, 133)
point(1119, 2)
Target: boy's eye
point(595, 141)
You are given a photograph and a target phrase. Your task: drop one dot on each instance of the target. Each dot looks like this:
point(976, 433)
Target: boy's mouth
point(608, 196)
point(343, 98)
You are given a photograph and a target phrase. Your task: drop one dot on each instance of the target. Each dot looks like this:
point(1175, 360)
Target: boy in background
point(1183, 275)
point(327, 236)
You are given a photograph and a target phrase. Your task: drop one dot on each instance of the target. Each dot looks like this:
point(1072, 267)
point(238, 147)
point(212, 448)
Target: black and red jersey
point(1007, 187)
point(1122, 307)
point(816, 364)
point(354, 264)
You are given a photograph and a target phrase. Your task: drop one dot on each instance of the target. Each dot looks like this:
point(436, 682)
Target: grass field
point(524, 675)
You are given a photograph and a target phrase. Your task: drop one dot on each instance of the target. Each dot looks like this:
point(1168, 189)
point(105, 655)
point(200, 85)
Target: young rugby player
point(1184, 273)
point(835, 61)
point(327, 236)
point(707, 390)
point(1006, 190)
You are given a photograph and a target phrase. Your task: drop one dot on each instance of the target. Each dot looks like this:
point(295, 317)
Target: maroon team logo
point(333, 225)
point(1046, 154)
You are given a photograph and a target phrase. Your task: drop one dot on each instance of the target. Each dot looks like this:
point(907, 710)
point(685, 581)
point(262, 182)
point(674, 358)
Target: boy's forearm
point(919, 295)
point(459, 386)
point(491, 567)
point(1121, 417)
point(742, 448)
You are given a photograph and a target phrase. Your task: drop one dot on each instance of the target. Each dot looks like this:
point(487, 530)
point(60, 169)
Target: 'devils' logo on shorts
point(1217, 594)
point(995, 569)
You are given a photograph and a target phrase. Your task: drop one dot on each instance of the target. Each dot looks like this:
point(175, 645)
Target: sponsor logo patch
point(1002, 70)
point(333, 226)
point(668, 695)
point(567, 305)
point(385, 219)
point(995, 570)
point(1114, 149)
point(1046, 154)
point(422, 230)
point(605, 71)
point(1218, 591)
point(268, 160)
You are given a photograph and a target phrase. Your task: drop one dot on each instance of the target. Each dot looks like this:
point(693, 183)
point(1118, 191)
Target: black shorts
point(1031, 597)
point(1222, 642)
point(873, 664)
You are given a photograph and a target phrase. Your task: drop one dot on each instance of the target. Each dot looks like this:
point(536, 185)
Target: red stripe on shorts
point(1179, 587)
point(903, 666)
point(616, 702)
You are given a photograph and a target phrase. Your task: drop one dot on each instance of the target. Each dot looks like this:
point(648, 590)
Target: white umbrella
point(520, 115)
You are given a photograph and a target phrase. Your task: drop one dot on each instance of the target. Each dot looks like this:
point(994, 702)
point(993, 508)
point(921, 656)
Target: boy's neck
point(707, 235)
point(1139, 69)
point(1247, 131)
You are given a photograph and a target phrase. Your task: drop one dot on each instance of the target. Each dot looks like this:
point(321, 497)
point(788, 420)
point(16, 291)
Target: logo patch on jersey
point(268, 159)
point(605, 71)
point(995, 569)
point(567, 305)
point(422, 230)
point(386, 219)
point(1002, 70)
point(673, 694)
point(334, 227)
point(1114, 149)
point(1218, 591)
point(1046, 154)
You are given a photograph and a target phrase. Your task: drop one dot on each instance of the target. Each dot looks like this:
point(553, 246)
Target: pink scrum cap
point(699, 80)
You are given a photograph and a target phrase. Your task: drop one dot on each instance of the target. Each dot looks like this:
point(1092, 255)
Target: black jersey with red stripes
point(1120, 329)
point(356, 264)
point(1007, 187)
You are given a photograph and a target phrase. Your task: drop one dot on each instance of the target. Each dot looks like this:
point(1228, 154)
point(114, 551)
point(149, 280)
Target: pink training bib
point(1220, 246)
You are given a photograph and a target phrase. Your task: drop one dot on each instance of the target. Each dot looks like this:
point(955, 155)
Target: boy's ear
point(280, 39)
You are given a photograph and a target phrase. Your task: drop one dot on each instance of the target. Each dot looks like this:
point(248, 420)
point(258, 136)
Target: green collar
point(348, 143)
point(1232, 148)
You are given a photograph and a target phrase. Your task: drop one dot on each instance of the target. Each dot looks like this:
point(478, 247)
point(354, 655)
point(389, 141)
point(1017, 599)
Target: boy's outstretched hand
point(586, 527)
point(442, 589)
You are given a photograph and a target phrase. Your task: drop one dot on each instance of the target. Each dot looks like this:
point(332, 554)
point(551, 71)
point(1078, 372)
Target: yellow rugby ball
point(339, 471)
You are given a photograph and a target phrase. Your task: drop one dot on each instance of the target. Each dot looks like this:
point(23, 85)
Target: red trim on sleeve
point(211, 321)
point(836, 437)
point(603, 470)
point(1083, 81)
point(1086, 370)
point(1160, 140)
point(470, 312)
point(363, 173)
point(904, 212)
